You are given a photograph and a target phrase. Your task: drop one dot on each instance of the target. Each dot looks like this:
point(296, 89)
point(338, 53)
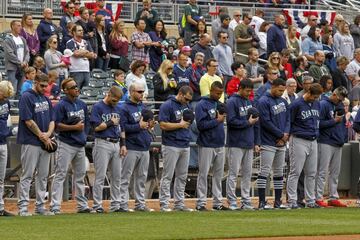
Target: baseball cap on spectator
point(188, 115)
point(147, 115)
point(186, 49)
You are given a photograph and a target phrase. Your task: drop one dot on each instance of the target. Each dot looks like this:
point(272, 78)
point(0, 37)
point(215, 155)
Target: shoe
point(201, 208)
point(4, 213)
point(98, 210)
point(220, 208)
point(43, 212)
point(122, 210)
point(321, 203)
point(165, 209)
point(144, 209)
point(233, 207)
point(264, 206)
point(301, 204)
point(336, 203)
point(247, 207)
point(85, 210)
point(293, 205)
point(56, 211)
point(183, 209)
point(279, 205)
point(25, 214)
point(312, 205)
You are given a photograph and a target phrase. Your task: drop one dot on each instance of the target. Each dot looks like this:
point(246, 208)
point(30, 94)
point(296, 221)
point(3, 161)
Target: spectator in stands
point(243, 37)
point(200, 29)
point(216, 24)
point(276, 39)
point(141, 42)
point(339, 75)
point(323, 26)
point(284, 60)
point(77, 8)
point(262, 35)
point(30, 74)
point(52, 91)
point(149, 15)
point(103, 56)
point(137, 75)
point(290, 93)
point(192, 14)
point(274, 62)
point(318, 69)
point(326, 83)
point(194, 74)
point(302, 65)
point(312, 22)
point(179, 70)
point(352, 70)
point(39, 65)
point(156, 53)
point(54, 59)
point(82, 52)
point(254, 71)
point(328, 29)
point(88, 27)
point(311, 44)
point(338, 21)
point(329, 51)
point(236, 19)
point(203, 47)
point(355, 31)
point(46, 29)
point(164, 81)
point(293, 43)
point(223, 55)
point(271, 74)
point(207, 80)
point(102, 10)
point(257, 20)
point(187, 51)
point(180, 43)
point(224, 27)
point(66, 37)
point(344, 42)
point(239, 71)
point(354, 94)
point(67, 17)
point(119, 81)
point(348, 120)
point(16, 55)
point(119, 45)
point(28, 32)
point(307, 82)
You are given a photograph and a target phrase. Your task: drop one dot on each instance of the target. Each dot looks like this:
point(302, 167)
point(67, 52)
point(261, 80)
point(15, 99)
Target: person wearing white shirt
point(236, 19)
point(257, 20)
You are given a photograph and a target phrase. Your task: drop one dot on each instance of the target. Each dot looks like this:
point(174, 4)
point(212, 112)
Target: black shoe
point(98, 210)
point(221, 208)
point(312, 205)
point(85, 210)
point(264, 206)
point(121, 210)
point(201, 208)
point(301, 204)
point(4, 213)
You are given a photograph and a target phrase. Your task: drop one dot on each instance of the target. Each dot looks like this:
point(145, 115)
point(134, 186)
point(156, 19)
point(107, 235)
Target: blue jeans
point(81, 78)
point(102, 63)
point(15, 77)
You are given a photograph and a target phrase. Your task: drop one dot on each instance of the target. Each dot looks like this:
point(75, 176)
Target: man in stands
point(149, 15)
point(67, 17)
point(46, 29)
point(243, 37)
point(101, 10)
point(203, 47)
point(312, 22)
point(192, 14)
point(276, 39)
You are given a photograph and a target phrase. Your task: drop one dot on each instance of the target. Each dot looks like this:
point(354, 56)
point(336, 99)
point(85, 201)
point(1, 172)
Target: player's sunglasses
point(73, 87)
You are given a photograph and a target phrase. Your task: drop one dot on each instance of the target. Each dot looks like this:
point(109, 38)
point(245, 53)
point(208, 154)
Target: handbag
point(124, 64)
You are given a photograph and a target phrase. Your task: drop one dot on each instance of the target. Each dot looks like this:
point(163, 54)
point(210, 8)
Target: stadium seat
point(99, 73)
point(96, 83)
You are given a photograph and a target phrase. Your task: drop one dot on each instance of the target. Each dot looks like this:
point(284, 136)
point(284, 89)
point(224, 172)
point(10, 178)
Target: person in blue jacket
point(331, 139)
point(211, 141)
point(175, 148)
point(46, 29)
point(36, 126)
point(242, 137)
point(6, 91)
point(109, 148)
point(276, 39)
point(274, 133)
point(271, 75)
point(72, 124)
point(304, 131)
point(138, 139)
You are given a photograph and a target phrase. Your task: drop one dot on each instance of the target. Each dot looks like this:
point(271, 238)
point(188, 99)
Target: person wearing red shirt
point(240, 74)
point(284, 57)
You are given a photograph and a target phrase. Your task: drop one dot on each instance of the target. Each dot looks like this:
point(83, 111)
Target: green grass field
point(177, 225)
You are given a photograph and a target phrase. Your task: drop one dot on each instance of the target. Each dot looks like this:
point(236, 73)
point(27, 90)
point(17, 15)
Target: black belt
point(310, 138)
point(112, 140)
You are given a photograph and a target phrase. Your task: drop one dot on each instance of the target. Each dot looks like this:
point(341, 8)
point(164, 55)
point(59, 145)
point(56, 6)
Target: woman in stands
point(311, 44)
point(54, 59)
point(103, 56)
point(274, 62)
point(330, 54)
point(164, 81)
point(137, 75)
point(29, 33)
point(239, 71)
point(344, 42)
point(200, 29)
point(156, 53)
point(293, 42)
point(119, 44)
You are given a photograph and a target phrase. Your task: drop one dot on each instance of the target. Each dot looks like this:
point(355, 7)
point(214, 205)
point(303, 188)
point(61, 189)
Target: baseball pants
point(136, 162)
point(67, 155)
point(106, 155)
point(33, 157)
point(303, 155)
point(3, 162)
point(176, 160)
point(216, 158)
point(329, 161)
point(239, 159)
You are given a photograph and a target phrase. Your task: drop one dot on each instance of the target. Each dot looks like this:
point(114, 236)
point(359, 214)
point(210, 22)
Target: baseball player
point(138, 141)
point(36, 125)
point(175, 148)
point(305, 117)
point(211, 141)
point(331, 139)
point(72, 122)
point(6, 91)
point(241, 124)
point(108, 149)
point(275, 128)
